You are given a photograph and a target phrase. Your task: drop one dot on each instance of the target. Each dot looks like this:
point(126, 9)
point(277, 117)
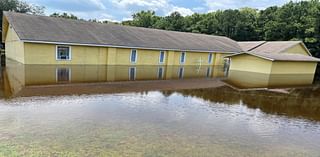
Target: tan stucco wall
point(250, 63)
point(298, 49)
point(293, 67)
point(14, 47)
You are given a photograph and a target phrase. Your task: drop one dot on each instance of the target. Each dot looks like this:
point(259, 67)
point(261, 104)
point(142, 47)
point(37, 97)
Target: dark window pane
point(161, 56)
point(181, 71)
point(210, 58)
point(133, 55)
point(182, 58)
point(63, 52)
point(63, 75)
point(160, 73)
point(132, 74)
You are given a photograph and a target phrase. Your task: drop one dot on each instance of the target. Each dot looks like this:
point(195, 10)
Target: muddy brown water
point(144, 111)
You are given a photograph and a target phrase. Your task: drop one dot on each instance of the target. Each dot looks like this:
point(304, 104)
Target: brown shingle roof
point(249, 45)
point(281, 57)
point(275, 46)
point(273, 50)
point(49, 29)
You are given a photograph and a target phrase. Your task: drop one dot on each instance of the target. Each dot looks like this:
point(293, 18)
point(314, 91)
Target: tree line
point(292, 21)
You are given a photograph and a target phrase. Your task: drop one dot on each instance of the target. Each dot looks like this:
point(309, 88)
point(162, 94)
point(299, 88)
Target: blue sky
point(119, 10)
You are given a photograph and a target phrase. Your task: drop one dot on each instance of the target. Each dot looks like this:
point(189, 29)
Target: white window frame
point(57, 76)
point(136, 58)
point(135, 73)
point(184, 59)
point(70, 53)
point(164, 57)
point(210, 60)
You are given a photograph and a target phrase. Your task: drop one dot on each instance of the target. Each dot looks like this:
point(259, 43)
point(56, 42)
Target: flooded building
point(275, 58)
point(34, 39)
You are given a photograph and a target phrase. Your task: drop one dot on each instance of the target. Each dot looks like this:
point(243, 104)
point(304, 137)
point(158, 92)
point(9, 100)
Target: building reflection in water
point(291, 102)
point(18, 76)
point(249, 80)
point(206, 82)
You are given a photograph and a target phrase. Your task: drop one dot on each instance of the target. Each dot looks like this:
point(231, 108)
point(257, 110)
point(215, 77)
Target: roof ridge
point(263, 42)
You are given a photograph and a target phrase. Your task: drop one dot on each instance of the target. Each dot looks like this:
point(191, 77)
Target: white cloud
point(98, 3)
point(152, 4)
point(181, 10)
point(163, 7)
point(127, 19)
point(213, 5)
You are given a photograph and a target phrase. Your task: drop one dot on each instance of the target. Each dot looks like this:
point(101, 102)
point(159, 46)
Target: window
point(63, 53)
point(210, 58)
point(209, 71)
point(160, 73)
point(132, 73)
point(183, 57)
point(63, 75)
point(181, 72)
point(133, 56)
point(161, 57)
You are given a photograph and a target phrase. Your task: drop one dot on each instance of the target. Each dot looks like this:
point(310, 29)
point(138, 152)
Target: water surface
point(189, 112)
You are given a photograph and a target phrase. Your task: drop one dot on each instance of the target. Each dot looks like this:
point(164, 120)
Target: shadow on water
point(296, 103)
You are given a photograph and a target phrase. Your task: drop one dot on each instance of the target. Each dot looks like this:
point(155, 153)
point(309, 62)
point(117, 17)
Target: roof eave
point(118, 46)
point(256, 55)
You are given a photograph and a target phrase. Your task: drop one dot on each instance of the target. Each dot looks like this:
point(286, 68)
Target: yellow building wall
point(144, 57)
point(260, 80)
point(219, 58)
point(298, 49)
point(244, 79)
point(293, 67)
point(86, 55)
point(250, 63)
point(15, 75)
point(81, 55)
point(193, 58)
point(14, 47)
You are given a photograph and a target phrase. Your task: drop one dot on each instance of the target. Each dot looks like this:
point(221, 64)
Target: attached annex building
point(32, 39)
point(275, 57)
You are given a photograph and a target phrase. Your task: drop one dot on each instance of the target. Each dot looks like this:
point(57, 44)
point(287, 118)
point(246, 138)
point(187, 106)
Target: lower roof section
point(279, 57)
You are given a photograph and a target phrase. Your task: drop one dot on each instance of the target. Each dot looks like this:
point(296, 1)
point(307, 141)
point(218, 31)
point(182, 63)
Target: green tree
point(175, 22)
point(18, 6)
point(65, 15)
point(144, 19)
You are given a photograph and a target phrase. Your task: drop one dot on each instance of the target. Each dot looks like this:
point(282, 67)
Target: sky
point(120, 10)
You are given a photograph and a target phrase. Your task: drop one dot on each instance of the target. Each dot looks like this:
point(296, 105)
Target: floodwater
point(155, 111)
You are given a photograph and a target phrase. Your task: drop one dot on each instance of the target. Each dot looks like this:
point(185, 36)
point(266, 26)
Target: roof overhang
point(272, 59)
point(253, 54)
point(118, 46)
point(5, 25)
